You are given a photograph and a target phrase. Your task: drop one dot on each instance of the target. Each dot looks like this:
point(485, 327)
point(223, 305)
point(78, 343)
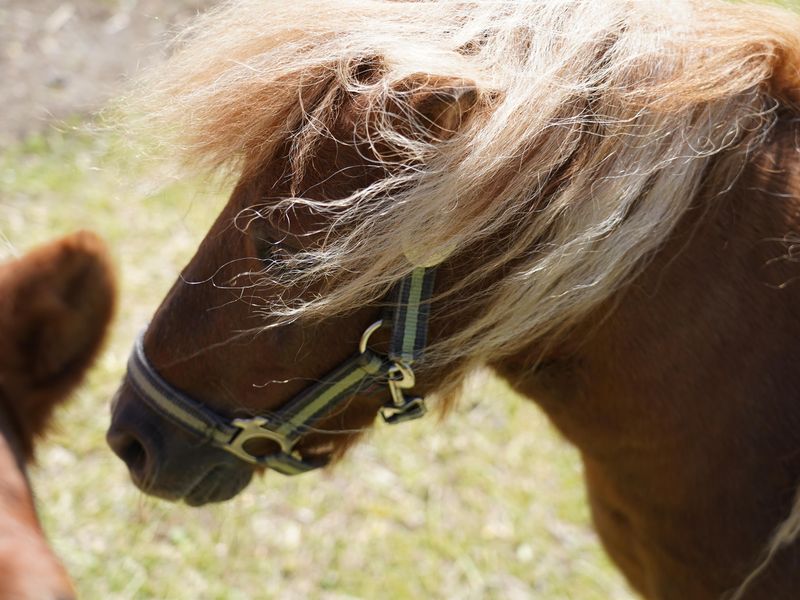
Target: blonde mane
point(598, 122)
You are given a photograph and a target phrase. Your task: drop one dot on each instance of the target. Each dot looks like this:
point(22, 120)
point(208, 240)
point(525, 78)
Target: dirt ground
point(62, 58)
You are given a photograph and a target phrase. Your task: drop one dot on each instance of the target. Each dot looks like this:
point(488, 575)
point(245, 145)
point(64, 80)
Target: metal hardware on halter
point(403, 408)
point(362, 343)
point(287, 461)
point(254, 429)
point(286, 425)
point(399, 377)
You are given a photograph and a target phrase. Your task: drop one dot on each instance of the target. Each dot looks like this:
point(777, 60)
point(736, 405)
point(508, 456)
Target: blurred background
point(488, 504)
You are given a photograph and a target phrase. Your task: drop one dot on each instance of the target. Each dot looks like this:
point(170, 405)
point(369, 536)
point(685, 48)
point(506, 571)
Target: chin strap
point(286, 425)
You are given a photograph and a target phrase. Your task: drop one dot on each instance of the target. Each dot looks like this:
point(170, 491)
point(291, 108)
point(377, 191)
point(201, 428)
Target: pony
point(597, 199)
point(55, 304)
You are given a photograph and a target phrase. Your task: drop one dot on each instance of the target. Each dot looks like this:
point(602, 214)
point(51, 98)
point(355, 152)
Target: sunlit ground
point(488, 504)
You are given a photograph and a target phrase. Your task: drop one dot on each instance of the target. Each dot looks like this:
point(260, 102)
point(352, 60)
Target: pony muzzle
point(168, 462)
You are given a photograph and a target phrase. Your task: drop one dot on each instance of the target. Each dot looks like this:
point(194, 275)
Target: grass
point(488, 504)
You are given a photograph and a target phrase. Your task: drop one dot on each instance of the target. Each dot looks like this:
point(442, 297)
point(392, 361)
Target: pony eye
point(269, 247)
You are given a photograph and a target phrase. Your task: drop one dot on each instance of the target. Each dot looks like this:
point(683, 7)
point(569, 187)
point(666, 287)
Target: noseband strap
point(286, 425)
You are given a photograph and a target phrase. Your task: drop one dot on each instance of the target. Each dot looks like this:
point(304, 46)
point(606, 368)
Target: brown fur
point(676, 376)
point(55, 304)
point(689, 470)
point(684, 401)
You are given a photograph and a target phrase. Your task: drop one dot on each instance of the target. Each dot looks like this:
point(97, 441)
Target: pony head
point(525, 148)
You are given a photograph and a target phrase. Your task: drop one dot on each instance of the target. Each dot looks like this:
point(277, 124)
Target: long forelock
point(597, 125)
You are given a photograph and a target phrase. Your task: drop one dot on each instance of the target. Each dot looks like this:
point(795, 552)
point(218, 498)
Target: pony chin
point(218, 485)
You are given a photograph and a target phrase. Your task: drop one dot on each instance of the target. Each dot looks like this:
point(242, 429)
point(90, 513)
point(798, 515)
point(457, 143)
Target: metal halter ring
point(254, 429)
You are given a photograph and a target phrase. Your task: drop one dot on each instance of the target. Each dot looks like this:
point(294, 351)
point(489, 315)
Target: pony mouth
point(218, 485)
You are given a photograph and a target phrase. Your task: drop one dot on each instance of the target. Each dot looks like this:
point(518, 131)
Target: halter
point(286, 425)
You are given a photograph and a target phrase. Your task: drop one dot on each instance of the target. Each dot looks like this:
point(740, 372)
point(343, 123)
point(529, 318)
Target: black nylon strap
point(173, 404)
point(316, 402)
point(411, 314)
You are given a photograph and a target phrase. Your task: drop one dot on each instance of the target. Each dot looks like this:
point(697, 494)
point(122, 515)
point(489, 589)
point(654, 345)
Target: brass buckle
point(255, 429)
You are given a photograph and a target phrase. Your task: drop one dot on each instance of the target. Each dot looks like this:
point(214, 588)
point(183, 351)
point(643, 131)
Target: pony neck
point(689, 380)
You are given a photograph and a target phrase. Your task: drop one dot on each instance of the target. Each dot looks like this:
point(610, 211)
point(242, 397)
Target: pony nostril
point(132, 451)
point(134, 455)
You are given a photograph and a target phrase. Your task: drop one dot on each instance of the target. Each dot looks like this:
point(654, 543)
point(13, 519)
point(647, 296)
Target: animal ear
point(55, 304)
point(437, 106)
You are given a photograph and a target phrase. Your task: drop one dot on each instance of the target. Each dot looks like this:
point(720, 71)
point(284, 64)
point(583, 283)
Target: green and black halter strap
point(286, 425)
